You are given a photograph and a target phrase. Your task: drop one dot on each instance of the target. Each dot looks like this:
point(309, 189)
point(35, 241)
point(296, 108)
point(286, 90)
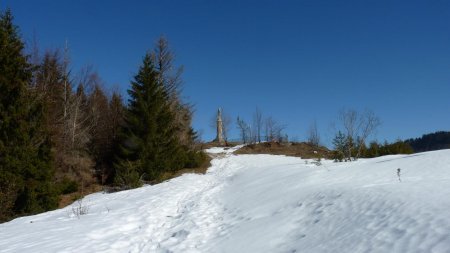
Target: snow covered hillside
point(260, 203)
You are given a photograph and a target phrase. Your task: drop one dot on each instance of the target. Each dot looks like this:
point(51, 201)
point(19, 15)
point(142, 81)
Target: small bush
point(337, 156)
point(127, 175)
point(195, 159)
point(67, 186)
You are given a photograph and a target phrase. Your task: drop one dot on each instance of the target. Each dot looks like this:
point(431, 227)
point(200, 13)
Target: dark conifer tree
point(116, 115)
point(100, 130)
point(149, 144)
point(25, 159)
point(339, 143)
point(115, 120)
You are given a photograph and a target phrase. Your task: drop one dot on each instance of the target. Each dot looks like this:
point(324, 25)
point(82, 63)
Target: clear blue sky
point(298, 61)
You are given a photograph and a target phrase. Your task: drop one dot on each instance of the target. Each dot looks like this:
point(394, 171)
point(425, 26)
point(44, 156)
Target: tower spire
point(219, 137)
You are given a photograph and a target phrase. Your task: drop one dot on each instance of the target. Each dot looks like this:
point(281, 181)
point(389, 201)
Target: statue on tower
point(220, 138)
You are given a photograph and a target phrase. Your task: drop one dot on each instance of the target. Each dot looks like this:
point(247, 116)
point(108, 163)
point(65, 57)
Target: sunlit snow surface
point(260, 203)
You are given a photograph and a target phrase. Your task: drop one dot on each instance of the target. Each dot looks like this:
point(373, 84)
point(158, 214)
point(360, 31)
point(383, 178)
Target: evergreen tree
point(115, 116)
point(340, 145)
point(170, 77)
point(25, 159)
point(350, 149)
point(100, 132)
point(374, 150)
point(149, 145)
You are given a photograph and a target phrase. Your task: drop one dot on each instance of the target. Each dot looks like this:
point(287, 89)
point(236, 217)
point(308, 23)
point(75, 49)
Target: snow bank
point(260, 203)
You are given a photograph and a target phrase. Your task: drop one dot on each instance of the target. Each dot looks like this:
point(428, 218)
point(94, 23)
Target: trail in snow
point(260, 203)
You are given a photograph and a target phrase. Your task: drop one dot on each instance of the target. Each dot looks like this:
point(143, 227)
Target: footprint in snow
point(180, 235)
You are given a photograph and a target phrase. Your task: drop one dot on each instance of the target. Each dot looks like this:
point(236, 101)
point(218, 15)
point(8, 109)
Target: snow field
point(260, 203)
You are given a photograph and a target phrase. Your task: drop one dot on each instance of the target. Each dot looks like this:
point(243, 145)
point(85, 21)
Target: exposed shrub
point(195, 159)
point(67, 186)
point(127, 175)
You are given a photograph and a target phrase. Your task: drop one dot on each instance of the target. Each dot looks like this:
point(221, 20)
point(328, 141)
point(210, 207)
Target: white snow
point(260, 203)
point(223, 150)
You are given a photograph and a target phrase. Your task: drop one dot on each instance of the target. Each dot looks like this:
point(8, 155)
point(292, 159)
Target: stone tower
point(219, 138)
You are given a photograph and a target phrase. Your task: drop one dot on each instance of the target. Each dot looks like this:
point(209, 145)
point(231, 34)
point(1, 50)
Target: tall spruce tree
point(170, 77)
point(25, 159)
point(149, 145)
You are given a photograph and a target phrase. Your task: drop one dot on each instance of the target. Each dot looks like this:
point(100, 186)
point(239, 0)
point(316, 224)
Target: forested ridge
point(431, 141)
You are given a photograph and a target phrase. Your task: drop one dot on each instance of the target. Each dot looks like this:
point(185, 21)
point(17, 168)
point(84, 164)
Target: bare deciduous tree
point(66, 96)
point(357, 127)
point(78, 120)
point(258, 124)
point(170, 76)
point(244, 130)
point(313, 135)
point(368, 124)
point(226, 125)
point(81, 117)
point(273, 130)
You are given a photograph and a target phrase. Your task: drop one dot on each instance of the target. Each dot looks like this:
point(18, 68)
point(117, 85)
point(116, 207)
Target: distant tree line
point(376, 149)
point(62, 132)
point(429, 142)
